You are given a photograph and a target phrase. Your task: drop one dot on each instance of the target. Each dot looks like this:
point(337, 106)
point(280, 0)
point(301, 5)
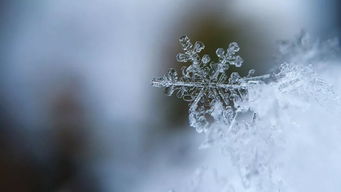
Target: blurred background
point(77, 109)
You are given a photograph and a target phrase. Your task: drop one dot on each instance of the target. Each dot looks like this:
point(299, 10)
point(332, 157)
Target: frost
point(248, 117)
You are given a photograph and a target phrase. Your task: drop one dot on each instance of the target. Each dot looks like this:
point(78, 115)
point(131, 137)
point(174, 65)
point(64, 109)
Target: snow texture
point(251, 118)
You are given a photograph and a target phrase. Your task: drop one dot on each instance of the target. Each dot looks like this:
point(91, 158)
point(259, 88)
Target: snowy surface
point(283, 132)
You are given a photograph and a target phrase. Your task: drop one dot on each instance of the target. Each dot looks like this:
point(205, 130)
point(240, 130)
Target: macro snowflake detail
point(253, 119)
point(207, 85)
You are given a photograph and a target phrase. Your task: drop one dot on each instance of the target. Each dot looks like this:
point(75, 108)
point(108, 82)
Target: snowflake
point(207, 85)
point(251, 117)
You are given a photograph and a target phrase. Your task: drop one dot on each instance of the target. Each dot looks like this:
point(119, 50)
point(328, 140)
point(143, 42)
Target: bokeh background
point(77, 110)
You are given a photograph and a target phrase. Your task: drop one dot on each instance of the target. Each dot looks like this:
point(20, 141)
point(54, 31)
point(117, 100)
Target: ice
point(253, 119)
point(203, 84)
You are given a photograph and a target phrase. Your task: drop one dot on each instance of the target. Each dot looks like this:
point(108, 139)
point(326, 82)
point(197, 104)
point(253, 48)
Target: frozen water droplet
point(206, 59)
point(198, 46)
point(233, 47)
point(238, 61)
point(220, 52)
point(181, 57)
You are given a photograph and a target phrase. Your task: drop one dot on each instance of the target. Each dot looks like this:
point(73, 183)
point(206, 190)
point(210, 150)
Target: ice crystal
point(300, 59)
point(206, 85)
point(248, 116)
